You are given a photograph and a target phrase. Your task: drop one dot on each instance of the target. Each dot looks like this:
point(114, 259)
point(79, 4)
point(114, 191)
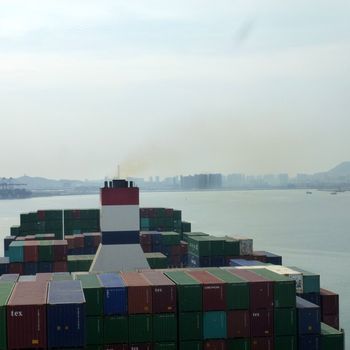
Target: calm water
point(309, 231)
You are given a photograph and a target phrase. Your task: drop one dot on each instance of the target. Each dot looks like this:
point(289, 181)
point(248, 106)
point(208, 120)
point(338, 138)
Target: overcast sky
point(173, 87)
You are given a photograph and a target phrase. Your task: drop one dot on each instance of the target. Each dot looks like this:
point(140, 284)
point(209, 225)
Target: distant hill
point(342, 169)
point(41, 183)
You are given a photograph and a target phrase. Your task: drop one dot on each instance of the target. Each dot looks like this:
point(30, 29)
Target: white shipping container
point(120, 218)
point(291, 274)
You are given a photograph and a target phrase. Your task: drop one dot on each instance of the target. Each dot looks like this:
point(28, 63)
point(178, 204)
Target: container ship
point(123, 277)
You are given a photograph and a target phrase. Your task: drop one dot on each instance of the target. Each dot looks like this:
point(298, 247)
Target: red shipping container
point(265, 343)
point(16, 267)
point(184, 248)
point(145, 238)
point(329, 302)
point(261, 323)
point(97, 239)
point(261, 289)
point(163, 292)
point(41, 215)
point(120, 196)
point(60, 250)
point(214, 345)
point(141, 346)
point(70, 241)
point(31, 251)
point(60, 266)
point(26, 316)
point(43, 277)
point(146, 248)
point(214, 290)
point(139, 293)
point(175, 260)
point(116, 347)
point(175, 250)
point(238, 324)
point(331, 320)
point(79, 241)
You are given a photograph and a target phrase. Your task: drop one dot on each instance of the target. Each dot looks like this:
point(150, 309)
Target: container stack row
point(162, 219)
point(83, 244)
point(188, 309)
point(58, 222)
point(167, 243)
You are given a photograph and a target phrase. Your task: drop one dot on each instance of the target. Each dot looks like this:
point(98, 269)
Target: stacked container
point(190, 307)
point(76, 263)
point(161, 219)
point(267, 257)
point(6, 289)
point(329, 308)
point(164, 308)
point(120, 213)
point(26, 316)
point(309, 325)
point(79, 221)
point(65, 315)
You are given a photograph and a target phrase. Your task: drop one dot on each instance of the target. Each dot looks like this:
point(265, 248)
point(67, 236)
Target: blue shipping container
point(217, 261)
point(243, 262)
point(115, 294)
point(30, 268)
point(45, 266)
point(121, 237)
point(198, 261)
point(314, 298)
point(65, 314)
point(4, 265)
point(309, 317)
point(309, 342)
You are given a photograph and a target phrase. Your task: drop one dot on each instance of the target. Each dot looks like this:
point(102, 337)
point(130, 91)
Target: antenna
point(118, 172)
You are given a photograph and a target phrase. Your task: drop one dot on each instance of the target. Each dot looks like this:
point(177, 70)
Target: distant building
point(201, 181)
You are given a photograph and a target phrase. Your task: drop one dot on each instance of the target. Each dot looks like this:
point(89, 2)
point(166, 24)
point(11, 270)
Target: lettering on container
point(16, 313)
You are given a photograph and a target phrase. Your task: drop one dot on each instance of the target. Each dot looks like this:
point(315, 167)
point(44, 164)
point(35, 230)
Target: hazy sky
point(173, 87)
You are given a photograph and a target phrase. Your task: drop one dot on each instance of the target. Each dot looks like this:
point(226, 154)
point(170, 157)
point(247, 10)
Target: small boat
point(308, 192)
point(334, 192)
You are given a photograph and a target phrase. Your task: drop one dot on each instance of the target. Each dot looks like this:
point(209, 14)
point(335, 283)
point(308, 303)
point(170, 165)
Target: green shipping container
point(93, 293)
point(16, 251)
point(331, 339)
point(5, 293)
point(311, 281)
point(231, 246)
point(191, 345)
point(170, 238)
point(238, 344)
point(165, 346)
point(237, 289)
point(72, 263)
point(190, 326)
point(46, 251)
point(110, 327)
point(185, 226)
point(15, 230)
point(94, 330)
point(199, 245)
point(156, 260)
point(177, 215)
point(189, 291)
point(53, 215)
point(286, 343)
point(186, 235)
point(217, 246)
point(285, 321)
point(62, 276)
point(140, 328)
point(164, 327)
point(284, 288)
point(214, 325)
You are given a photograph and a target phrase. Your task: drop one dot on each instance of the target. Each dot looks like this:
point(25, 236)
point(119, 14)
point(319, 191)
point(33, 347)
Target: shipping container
point(237, 289)
point(262, 343)
point(311, 281)
point(261, 289)
point(66, 314)
point(189, 291)
point(238, 324)
point(191, 345)
point(139, 293)
point(164, 327)
point(115, 294)
point(267, 257)
point(165, 346)
point(16, 251)
point(285, 321)
point(214, 325)
point(94, 330)
point(163, 292)
point(31, 251)
point(140, 346)
point(46, 251)
point(291, 274)
point(309, 317)
point(60, 250)
point(214, 345)
point(331, 339)
point(140, 328)
point(329, 302)
point(190, 326)
point(6, 289)
point(26, 316)
point(331, 320)
point(261, 323)
point(213, 290)
point(309, 342)
point(238, 344)
point(113, 323)
point(286, 343)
